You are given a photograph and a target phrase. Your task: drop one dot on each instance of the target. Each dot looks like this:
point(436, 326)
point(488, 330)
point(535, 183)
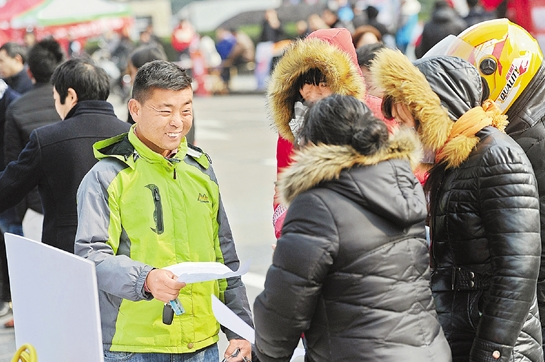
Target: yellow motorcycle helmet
point(505, 54)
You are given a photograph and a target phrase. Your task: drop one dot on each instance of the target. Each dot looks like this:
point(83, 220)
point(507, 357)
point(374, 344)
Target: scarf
point(462, 137)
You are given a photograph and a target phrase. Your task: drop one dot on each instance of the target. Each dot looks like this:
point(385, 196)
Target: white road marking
point(254, 280)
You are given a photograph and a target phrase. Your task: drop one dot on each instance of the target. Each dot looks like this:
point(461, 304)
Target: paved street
point(236, 133)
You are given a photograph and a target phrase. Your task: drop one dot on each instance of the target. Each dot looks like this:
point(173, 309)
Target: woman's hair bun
point(370, 138)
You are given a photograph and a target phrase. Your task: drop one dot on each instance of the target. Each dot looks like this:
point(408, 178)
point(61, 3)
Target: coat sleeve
point(284, 151)
point(303, 256)
point(510, 212)
point(22, 175)
point(98, 222)
point(532, 142)
point(13, 142)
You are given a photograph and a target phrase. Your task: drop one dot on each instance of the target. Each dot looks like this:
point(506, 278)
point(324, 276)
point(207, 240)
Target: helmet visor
point(454, 46)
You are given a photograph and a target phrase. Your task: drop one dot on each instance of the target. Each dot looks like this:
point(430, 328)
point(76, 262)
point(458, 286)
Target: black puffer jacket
point(527, 127)
point(486, 243)
point(486, 254)
point(351, 269)
point(485, 233)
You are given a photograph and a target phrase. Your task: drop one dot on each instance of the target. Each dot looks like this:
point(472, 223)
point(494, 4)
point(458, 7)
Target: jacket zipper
point(158, 212)
point(432, 227)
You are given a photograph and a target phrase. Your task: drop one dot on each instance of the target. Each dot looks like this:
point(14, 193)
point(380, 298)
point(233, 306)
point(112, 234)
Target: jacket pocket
point(117, 356)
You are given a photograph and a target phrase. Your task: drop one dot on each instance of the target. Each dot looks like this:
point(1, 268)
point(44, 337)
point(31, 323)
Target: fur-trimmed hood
point(329, 50)
point(315, 164)
point(438, 91)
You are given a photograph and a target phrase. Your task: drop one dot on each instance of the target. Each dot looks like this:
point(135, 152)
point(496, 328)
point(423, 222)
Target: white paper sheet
point(227, 318)
point(299, 352)
point(194, 272)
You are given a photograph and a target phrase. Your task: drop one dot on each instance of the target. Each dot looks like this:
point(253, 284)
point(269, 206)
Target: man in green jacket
point(150, 202)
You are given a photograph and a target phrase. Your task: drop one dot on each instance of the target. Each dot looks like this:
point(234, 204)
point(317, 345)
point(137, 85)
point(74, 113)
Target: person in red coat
point(313, 68)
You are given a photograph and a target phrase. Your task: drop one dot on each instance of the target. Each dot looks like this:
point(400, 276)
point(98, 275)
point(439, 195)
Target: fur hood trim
point(302, 55)
point(401, 80)
point(406, 84)
point(314, 164)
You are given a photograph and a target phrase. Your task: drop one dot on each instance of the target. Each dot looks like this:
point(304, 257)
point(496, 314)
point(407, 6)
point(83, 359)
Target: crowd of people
point(408, 206)
point(399, 28)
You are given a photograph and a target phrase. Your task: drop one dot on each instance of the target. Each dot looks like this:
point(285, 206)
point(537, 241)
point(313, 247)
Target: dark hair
point(344, 120)
point(372, 12)
point(441, 4)
point(43, 58)
point(362, 30)
point(13, 49)
point(312, 76)
point(367, 53)
point(89, 81)
point(159, 74)
point(146, 53)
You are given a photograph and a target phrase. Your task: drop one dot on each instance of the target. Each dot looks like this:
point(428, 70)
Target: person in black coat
point(7, 96)
point(477, 13)
point(13, 58)
point(34, 109)
point(271, 28)
point(58, 155)
point(351, 269)
point(12, 67)
point(484, 207)
point(520, 97)
point(444, 21)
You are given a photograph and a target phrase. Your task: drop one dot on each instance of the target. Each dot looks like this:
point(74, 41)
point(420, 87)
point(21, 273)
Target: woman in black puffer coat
point(351, 269)
point(484, 208)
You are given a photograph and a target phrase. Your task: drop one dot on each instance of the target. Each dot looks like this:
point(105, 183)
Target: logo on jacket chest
point(158, 217)
point(203, 198)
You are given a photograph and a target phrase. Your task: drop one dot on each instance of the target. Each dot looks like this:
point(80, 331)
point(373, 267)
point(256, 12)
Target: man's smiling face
point(163, 119)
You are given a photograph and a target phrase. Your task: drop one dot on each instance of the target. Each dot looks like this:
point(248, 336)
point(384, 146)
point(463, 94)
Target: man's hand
point(163, 285)
point(245, 354)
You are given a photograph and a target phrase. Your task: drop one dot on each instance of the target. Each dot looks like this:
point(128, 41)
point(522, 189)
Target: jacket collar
point(314, 164)
point(145, 152)
point(520, 118)
point(91, 106)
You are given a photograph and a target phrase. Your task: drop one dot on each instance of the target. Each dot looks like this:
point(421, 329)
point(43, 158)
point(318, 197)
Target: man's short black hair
point(13, 49)
point(146, 53)
point(89, 81)
point(43, 58)
point(159, 74)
